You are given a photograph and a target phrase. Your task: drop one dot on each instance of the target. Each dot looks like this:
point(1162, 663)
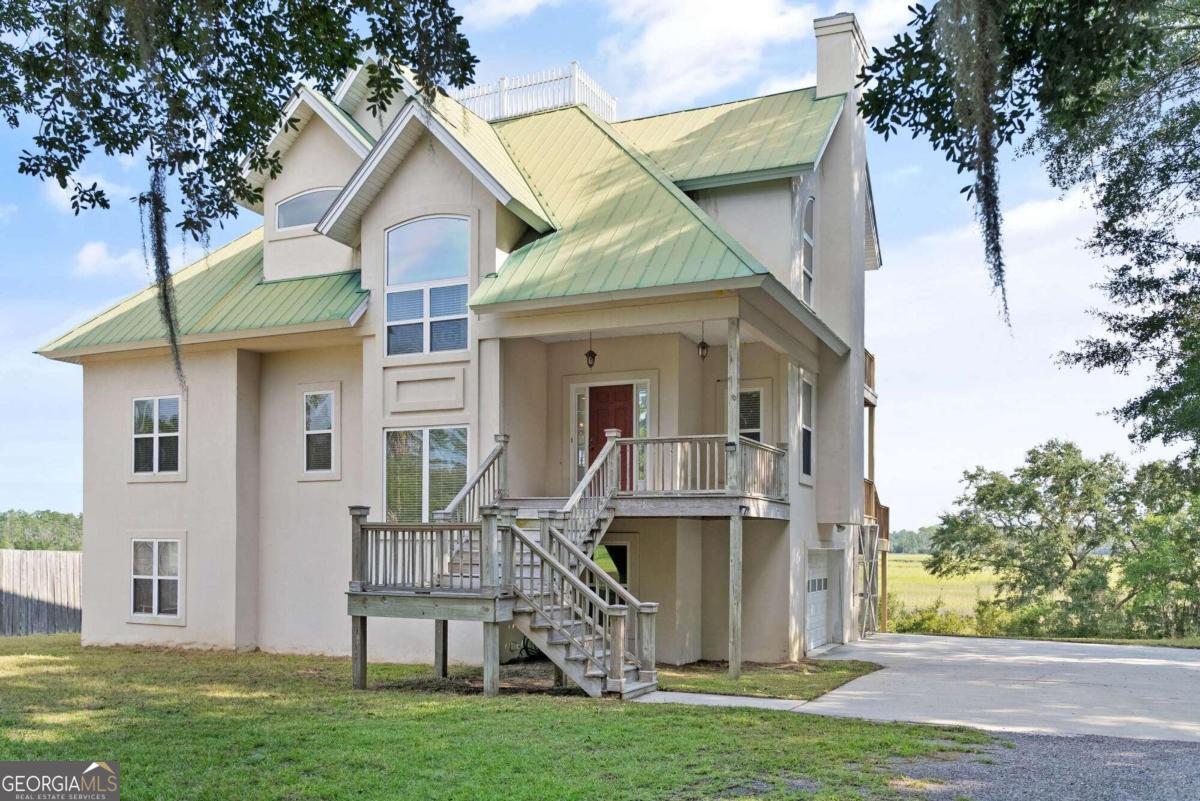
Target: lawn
point(217, 725)
point(908, 582)
point(803, 681)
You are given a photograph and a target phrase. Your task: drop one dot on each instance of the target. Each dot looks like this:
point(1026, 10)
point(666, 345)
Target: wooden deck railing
point(416, 557)
point(874, 512)
point(486, 488)
point(764, 470)
point(869, 370)
point(594, 492)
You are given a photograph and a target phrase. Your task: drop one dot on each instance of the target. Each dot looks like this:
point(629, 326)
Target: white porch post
point(733, 487)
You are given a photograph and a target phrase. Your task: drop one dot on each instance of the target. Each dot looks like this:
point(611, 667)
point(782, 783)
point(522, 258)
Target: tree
point(44, 530)
point(192, 88)
point(972, 75)
point(906, 541)
point(1040, 528)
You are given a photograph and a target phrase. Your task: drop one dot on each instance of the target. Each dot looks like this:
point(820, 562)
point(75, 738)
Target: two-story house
point(596, 384)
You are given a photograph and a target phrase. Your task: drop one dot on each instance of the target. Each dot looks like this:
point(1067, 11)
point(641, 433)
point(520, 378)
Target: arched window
point(427, 264)
point(304, 209)
point(806, 282)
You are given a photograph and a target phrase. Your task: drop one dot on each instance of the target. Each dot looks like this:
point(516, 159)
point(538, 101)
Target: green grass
point(216, 725)
point(908, 582)
point(803, 681)
point(1171, 642)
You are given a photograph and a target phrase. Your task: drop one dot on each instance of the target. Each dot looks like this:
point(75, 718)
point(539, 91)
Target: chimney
point(841, 54)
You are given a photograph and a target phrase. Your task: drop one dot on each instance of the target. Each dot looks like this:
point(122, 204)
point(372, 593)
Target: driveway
point(1023, 686)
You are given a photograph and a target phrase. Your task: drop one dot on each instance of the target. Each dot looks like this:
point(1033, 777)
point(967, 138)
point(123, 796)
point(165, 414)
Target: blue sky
point(958, 387)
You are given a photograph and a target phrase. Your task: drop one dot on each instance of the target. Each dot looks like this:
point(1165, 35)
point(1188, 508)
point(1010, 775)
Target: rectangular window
point(318, 432)
point(806, 428)
point(156, 576)
point(156, 435)
point(750, 423)
point(424, 468)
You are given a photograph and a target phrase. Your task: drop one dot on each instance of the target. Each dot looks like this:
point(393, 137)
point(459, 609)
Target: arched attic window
point(305, 209)
point(428, 260)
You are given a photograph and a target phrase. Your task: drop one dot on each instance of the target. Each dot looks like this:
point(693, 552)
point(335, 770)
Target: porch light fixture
point(702, 346)
point(591, 354)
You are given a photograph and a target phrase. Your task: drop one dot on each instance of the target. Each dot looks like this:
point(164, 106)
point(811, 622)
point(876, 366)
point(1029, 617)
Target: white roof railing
point(538, 91)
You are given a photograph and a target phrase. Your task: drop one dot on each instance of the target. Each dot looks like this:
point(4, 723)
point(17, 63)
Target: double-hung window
point(806, 428)
point(318, 432)
point(424, 468)
point(427, 265)
point(156, 435)
point(156, 575)
point(809, 254)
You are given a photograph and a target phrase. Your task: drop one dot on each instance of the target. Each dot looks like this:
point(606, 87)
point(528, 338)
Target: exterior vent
point(538, 91)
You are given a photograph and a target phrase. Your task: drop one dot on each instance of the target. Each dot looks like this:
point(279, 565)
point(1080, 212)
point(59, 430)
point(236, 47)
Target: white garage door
point(816, 620)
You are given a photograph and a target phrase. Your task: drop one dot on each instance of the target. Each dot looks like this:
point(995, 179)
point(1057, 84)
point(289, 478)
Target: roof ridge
point(725, 103)
point(659, 175)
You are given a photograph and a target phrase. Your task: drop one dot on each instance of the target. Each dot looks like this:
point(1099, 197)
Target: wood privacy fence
point(40, 591)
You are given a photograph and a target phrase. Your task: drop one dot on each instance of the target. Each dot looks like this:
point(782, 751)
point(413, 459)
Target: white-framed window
point(807, 399)
point(428, 261)
point(156, 578)
point(305, 209)
point(809, 246)
point(750, 414)
point(156, 434)
point(319, 422)
point(424, 468)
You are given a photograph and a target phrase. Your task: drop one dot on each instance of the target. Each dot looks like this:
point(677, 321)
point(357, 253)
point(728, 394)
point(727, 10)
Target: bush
point(935, 619)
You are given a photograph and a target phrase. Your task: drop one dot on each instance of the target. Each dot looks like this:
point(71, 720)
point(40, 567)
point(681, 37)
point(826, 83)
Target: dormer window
point(806, 281)
point(305, 209)
point(427, 265)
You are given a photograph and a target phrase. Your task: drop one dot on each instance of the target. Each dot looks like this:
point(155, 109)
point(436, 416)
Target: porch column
point(733, 386)
point(358, 577)
point(735, 595)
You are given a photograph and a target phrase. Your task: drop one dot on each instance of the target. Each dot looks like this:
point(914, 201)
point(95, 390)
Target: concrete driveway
point(1023, 686)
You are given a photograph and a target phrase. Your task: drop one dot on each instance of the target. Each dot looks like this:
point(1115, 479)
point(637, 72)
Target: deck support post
point(491, 659)
point(735, 595)
point(441, 661)
point(733, 394)
point(560, 678)
point(358, 652)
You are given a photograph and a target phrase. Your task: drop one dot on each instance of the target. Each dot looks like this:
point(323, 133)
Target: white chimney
point(841, 54)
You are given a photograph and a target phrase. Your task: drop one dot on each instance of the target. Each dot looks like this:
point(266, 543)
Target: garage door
point(817, 619)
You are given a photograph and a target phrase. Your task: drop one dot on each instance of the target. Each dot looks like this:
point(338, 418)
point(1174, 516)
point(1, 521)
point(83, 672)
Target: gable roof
point(746, 140)
point(622, 223)
point(469, 137)
point(304, 105)
point(222, 294)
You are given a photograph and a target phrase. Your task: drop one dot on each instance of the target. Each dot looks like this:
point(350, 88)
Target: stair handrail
point(605, 621)
point(489, 480)
point(595, 490)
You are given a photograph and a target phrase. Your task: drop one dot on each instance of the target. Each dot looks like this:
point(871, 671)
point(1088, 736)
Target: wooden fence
point(40, 591)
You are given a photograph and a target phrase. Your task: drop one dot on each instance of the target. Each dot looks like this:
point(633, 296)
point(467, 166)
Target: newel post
point(614, 464)
point(358, 577)
point(616, 649)
point(507, 568)
point(646, 657)
point(502, 467)
point(489, 551)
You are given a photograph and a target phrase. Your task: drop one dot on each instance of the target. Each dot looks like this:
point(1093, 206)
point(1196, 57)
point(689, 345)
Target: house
point(596, 384)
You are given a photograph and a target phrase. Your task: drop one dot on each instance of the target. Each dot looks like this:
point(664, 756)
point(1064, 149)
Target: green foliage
point(932, 619)
point(41, 531)
point(908, 541)
point(971, 75)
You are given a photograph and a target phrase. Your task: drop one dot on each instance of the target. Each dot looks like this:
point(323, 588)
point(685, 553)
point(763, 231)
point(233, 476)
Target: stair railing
point(486, 487)
point(595, 491)
point(592, 627)
point(639, 625)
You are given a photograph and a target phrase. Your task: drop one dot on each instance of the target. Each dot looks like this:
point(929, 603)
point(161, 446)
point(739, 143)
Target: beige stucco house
point(596, 384)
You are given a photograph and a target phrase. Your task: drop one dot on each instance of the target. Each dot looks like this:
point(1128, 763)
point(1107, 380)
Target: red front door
point(608, 407)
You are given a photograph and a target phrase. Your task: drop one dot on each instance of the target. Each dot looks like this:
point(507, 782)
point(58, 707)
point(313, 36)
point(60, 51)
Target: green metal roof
point(622, 223)
point(760, 135)
point(344, 116)
point(223, 293)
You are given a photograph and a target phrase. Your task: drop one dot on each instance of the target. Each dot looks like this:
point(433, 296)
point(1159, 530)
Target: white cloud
point(783, 83)
point(879, 19)
point(490, 13)
point(60, 198)
point(95, 258)
point(675, 51)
